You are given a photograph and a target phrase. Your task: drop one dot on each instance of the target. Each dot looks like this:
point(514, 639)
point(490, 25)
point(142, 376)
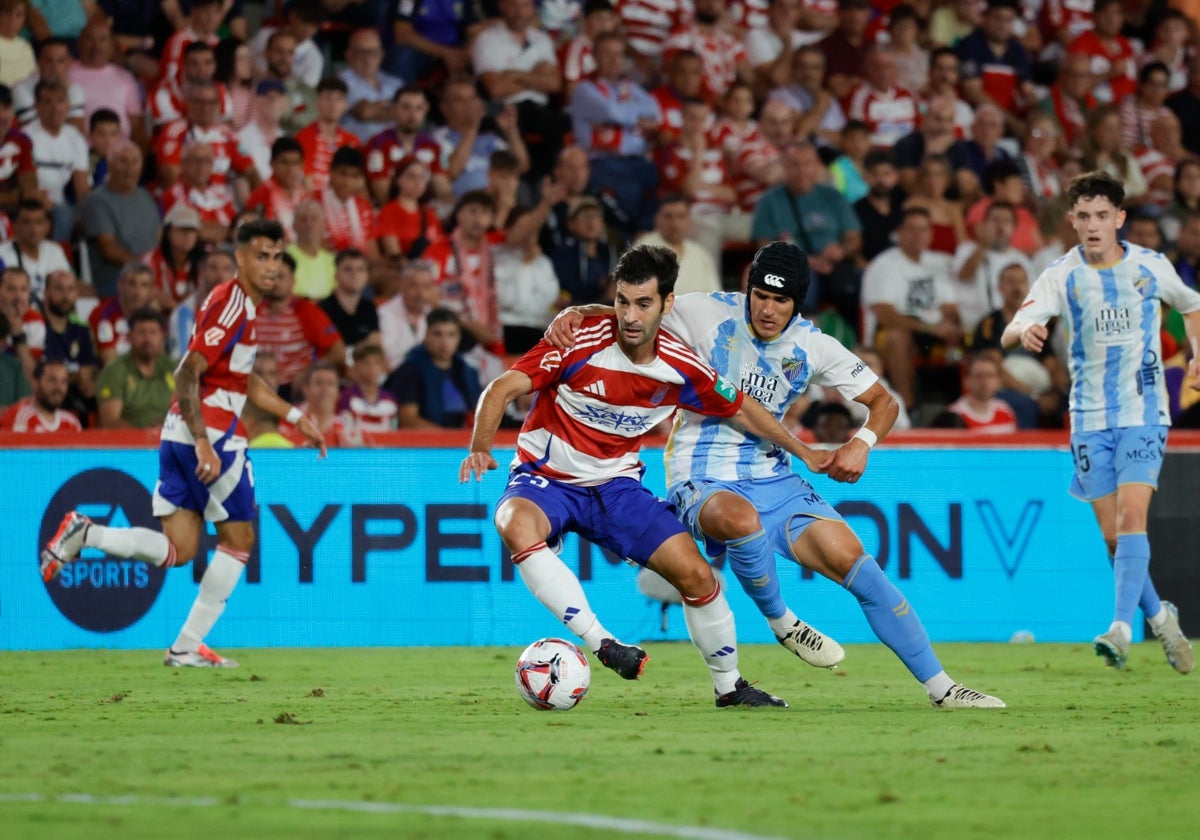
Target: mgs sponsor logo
point(98, 592)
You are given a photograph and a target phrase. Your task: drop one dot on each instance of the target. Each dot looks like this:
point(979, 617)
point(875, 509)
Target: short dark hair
point(268, 228)
point(1100, 5)
point(442, 315)
point(855, 125)
point(407, 90)
point(102, 115)
point(332, 83)
point(40, 368)
point(878, 157)
point(290, 261)
point(502, 160)
point(283, 145)
point(934, 55)
point(348, 254)
point(997, 171)
point(5, 96)
point(1096, 184)
point(196, 47)
point(1002, 205)
point(480, 197)
point(1011, 5)
point(669, 198)
point(309, 11)
point(146, 314)
point(645, 262)
point(1150, 69)
point(53, 41)
point(347, 156)
point(903, 12)
point(915, 210)
point(51, 85)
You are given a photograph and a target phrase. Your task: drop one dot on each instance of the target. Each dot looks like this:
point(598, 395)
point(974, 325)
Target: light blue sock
point(892, 618)
point(753, 561)
point(1131, 568)
point(1149, 602)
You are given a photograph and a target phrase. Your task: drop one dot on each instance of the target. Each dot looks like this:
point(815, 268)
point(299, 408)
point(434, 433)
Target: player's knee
point(694, 580)
point(727, 517)
point(185, 551)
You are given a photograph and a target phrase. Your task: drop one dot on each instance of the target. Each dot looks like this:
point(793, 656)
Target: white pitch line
point(617, 824)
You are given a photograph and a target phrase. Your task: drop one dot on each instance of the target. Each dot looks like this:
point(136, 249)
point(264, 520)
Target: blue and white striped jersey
point(1112, 317)
point(774, 372)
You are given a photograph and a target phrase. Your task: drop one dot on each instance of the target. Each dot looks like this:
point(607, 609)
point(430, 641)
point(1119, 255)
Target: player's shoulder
point(1064, 265)
point(1154, 260)
point(594, 333)
point(228, 297)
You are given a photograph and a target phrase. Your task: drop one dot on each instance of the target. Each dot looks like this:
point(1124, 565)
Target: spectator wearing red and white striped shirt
point(321, 138)
point(685, 79)
point(349, 218)
point(979, 408)
point(647, 22)
point(135, 290)
point(405, 139)
point(167, 102)
point(42, 413)
point(576, 57)
point(1114, 60)
point(890, 112)
point(277, 197)
point(196, 189)
point(204, 17)
point(295, 330)
point(1159, 159)
point(203, 125)
point(723, 55)
point(757, 165)
point(1138, 112)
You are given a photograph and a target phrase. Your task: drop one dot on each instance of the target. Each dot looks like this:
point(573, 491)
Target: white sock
point(711, 626)
point(1157, 622)
point(135, 543)
point(552, 583)
point(1122, 628)
point(939, 685)
point(216, 586)
point(782, 625)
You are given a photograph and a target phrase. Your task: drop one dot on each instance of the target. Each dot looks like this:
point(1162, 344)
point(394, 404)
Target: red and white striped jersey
point(225, 336)
point(176, 282)
point(890, 114)
point(751, 14)
point(576, 59)
point(593, 405)
point(297, 336)
point(274, 202)
point(1074, 16)
point(109, 327)
point(318, 152)
point(33, 325)
point(675, 161)
point(647, 22)
point(387, 149)
point(167, 103)
point(1105, 57)
point(751, 156)
point(228, 156)
point(720, 52)
point(348, 224)
point(732, 138)
point(23, 416)
point(172, 55)
point(214, 203)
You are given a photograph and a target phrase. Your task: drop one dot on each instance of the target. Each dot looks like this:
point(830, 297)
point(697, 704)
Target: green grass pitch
point(368, 743)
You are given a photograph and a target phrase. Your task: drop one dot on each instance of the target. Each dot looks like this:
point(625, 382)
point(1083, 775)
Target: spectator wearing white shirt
point(526, 286)
point(60, 153)
point(402, 316)
point(257, 136)
point(302, 20)
point(53, 62)
point(697, 270)
point(908, 302)
point(31, 250)
point(516, 64)
point(979, 263)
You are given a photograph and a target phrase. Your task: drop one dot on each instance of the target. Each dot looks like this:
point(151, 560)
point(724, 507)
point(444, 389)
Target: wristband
point(294, 416)
point(867, 436)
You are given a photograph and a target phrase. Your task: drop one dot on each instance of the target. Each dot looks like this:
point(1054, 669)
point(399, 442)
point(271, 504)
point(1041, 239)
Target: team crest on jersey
point(793, 369)
point(550, 360)
point(658, 396)
point(725, 388)
point(213, 336)
point(1142, 282)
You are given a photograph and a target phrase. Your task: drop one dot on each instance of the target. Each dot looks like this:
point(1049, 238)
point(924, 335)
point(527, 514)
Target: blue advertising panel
point(384, 547)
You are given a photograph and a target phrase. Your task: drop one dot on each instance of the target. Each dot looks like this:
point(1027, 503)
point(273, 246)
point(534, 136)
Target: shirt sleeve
point(543, 364)
point(318, 329)
point(837, 367)
point(109, 384)
point(1044, 301)
point(1172, 290)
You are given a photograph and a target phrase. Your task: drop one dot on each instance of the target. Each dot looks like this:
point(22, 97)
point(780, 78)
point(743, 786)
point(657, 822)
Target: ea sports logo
point(98, 592)
point(774, 280)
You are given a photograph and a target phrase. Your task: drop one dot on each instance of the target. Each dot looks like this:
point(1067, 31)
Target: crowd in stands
point(451, 175)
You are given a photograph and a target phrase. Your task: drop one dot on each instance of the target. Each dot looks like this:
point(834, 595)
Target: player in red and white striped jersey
point(42, 413)
point(204, 473)
point(577, 467)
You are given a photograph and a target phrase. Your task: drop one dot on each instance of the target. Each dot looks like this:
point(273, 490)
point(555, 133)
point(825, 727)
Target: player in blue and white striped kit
point(1109, 295)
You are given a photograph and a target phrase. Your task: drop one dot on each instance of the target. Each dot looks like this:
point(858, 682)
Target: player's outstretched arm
point(187, 395)
point(849, 461)
point(263, 396)
point(561, 332)
point(488, 413)
point(1030, 336)
point(758, 421)
point(1191, 323)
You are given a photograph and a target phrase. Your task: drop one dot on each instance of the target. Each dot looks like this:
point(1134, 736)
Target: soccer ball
point(553, 674)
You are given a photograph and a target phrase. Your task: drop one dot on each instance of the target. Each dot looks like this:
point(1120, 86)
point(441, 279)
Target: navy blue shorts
point(620, 515)
point(229, 498)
